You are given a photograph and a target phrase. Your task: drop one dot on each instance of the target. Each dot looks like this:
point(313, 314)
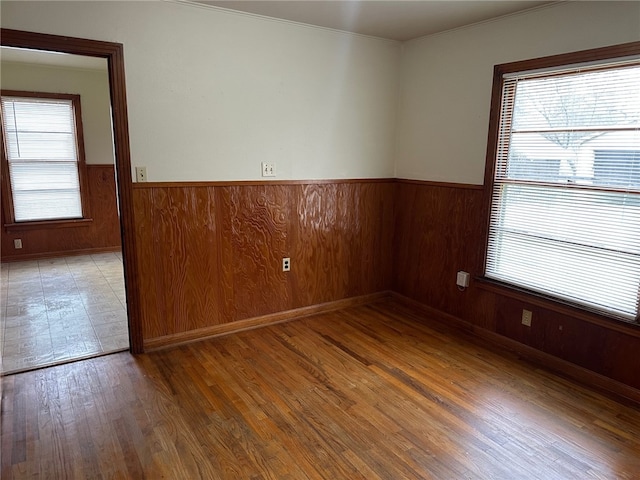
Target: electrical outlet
point(286, 264)
point(141, 174)
point(526, 317)
point(462, 279)
point(268, 169)
point(17, 243)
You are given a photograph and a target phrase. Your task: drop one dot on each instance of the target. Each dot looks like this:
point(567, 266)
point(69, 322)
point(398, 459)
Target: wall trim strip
point(251, 183)
point(260, 321)
point(429, 183)
point(228, 183)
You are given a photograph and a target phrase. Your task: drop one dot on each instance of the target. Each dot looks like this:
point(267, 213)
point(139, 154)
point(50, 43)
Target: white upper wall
point(443, 116)
point(212, 94)
point(91, 85)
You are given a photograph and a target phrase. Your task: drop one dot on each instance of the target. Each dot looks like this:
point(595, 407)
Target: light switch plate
point(268, 169)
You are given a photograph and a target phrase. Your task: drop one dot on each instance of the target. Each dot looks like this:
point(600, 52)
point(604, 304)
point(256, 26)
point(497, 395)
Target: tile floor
point(62, 309)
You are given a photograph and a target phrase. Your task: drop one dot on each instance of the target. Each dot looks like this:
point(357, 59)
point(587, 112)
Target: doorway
point(103, 264)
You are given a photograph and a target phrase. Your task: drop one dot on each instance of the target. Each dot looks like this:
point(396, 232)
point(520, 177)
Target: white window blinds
point(565, 211)
point(40, 138)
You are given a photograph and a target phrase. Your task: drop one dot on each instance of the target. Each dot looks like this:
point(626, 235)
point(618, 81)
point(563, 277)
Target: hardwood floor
point(368, 392)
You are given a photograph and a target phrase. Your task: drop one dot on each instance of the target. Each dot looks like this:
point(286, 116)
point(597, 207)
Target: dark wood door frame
point(113, 52)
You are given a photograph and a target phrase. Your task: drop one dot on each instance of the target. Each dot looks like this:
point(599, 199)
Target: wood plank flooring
point(370, 392)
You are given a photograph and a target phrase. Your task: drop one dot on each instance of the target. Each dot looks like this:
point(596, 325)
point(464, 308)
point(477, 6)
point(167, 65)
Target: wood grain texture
point(341, 241)
point(439, 231)
point(102, 234)
point(364, 393)
point(260, 221)
point(178, 266)
point(436, 235)
point(218, 249)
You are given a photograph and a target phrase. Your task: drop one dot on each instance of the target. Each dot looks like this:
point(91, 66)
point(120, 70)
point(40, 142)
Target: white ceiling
point(393, 19)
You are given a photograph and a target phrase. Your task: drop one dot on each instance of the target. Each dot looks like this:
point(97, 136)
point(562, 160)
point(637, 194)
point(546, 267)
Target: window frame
point(7, 199)
point(601, 54)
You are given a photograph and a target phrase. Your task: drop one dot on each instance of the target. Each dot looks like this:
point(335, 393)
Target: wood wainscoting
point(211, 253)
point(439, 231)
point(100, 235)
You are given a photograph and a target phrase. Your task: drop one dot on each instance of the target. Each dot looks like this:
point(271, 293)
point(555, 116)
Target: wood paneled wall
point(103, 234)
point(211, 254)
point(439, 231)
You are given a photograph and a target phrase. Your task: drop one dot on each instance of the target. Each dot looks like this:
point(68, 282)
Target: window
point(564, 162)
point(43, 159)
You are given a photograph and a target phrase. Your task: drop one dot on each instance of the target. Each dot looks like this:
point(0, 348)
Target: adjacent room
point(62, 274)
point(359, 239)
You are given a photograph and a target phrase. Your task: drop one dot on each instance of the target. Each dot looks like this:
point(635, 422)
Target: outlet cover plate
point(141, 174)
point(462, 279)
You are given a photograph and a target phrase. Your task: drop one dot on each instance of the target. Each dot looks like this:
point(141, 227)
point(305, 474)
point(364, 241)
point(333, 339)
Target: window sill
point(47, 224)
point(565, 308)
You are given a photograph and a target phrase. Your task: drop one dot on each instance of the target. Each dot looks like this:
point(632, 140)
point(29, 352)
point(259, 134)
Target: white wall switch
point(268, 169)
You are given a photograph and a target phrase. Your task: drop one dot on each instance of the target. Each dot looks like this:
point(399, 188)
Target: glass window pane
point(589, 99)
point(41, 146)
point(565, 212)
point(47, 205)
point(43, 164)
point(44, 176)
point(33, 115)
point(604, 158)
